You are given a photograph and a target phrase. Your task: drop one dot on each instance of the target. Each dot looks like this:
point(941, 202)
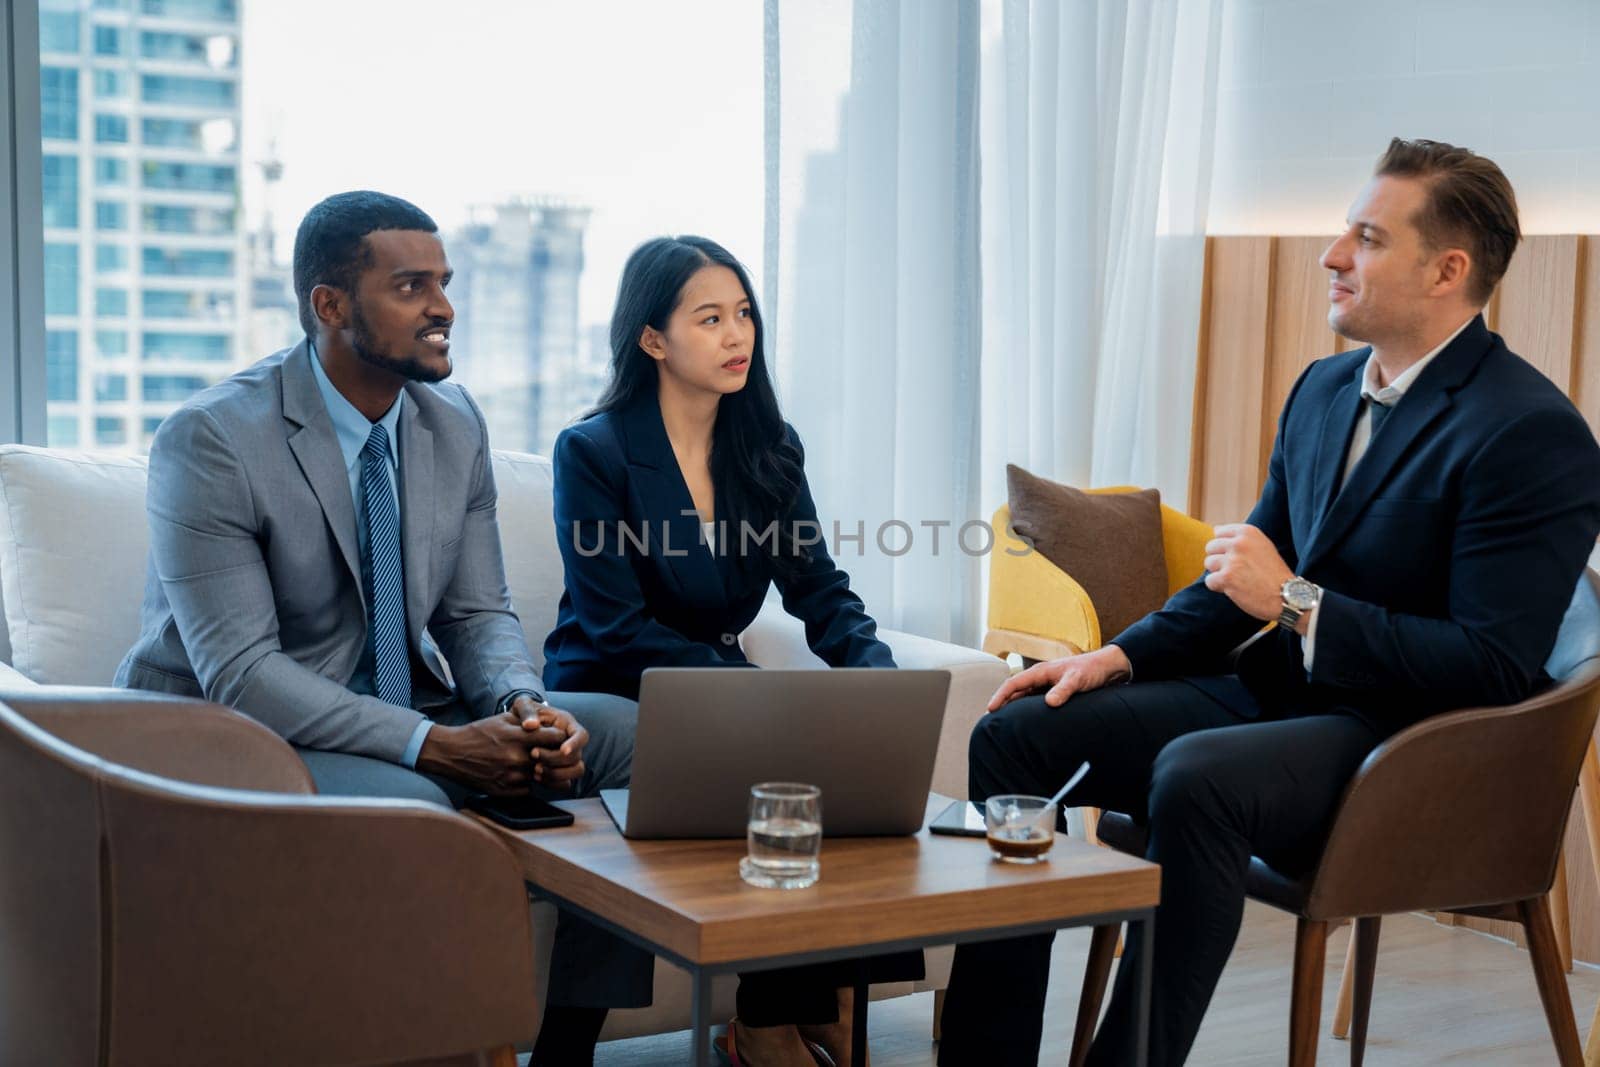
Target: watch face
point(1299, 594)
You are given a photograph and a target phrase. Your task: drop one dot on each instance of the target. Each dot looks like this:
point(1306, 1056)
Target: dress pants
point(588, 966)
point(1215, 782)
point(809, 995)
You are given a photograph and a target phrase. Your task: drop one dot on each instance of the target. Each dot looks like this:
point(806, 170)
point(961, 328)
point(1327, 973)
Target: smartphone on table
point(961, 819)
point(519, 813)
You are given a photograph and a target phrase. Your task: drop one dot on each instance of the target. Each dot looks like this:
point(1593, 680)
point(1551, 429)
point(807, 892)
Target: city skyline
point(184, 140)
point(657, 130)
point(145, 277)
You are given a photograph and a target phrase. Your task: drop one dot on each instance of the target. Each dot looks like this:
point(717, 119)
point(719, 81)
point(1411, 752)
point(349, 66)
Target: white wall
point(1311, 92)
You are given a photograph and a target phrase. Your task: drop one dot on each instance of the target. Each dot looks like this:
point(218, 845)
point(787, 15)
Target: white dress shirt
point(1388, 396)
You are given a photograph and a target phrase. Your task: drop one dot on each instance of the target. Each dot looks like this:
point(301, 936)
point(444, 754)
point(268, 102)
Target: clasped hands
point(531, 743)
point(1242, 563)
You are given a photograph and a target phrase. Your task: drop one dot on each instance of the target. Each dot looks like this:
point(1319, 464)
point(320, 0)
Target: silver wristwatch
point(1299, 597)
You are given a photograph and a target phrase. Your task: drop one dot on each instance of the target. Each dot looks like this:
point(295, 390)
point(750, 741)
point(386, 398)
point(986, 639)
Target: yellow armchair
point(1039, 612)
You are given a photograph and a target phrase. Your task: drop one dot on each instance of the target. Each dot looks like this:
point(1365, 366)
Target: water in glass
point(785, 836)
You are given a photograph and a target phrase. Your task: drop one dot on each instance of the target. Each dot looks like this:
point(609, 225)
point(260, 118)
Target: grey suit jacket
point(254, 596)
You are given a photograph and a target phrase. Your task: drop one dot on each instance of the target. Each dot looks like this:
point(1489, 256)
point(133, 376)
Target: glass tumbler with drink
point(785, 836)
point(1020, 829)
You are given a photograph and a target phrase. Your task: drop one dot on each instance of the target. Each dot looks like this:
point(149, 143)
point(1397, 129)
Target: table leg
point(858, 1018)
point(1147, 960)
point(701, 1014)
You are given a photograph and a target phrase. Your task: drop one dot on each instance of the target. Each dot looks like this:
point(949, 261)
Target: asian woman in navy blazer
point(679, 501)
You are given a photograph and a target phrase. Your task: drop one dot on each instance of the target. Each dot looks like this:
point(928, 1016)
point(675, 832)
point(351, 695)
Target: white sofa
point(73, 544)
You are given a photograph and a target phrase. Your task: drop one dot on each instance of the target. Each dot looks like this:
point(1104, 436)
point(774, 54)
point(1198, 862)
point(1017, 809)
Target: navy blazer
point(671, 603)
point(1447, 559)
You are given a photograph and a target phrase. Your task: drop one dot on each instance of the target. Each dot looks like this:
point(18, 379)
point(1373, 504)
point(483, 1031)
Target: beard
point(368, 348)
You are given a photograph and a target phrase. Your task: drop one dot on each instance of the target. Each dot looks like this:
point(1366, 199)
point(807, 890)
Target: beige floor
point(1442, 995)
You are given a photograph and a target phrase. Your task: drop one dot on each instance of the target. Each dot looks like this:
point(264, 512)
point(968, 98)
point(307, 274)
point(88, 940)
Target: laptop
point(867, 737)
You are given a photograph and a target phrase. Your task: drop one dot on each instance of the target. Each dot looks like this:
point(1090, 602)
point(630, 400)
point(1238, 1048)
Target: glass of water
point(785, 836)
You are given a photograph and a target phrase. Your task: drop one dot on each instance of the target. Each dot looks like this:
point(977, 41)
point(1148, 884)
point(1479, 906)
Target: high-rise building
point(515, 343)
point(274, 314)
point(145, 274)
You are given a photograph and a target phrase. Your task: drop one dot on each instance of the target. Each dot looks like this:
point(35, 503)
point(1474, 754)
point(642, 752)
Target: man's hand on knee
point(505, 754)
point(490, 754)
point(1061, 678)
point(556, 741)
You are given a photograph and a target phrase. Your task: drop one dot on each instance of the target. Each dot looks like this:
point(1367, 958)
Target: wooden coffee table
point(684, 900)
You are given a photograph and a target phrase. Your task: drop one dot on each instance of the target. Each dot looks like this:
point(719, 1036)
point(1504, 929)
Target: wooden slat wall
point(1265, 317)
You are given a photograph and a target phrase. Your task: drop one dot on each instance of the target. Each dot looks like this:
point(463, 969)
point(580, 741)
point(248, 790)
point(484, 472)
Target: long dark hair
point(755, 468)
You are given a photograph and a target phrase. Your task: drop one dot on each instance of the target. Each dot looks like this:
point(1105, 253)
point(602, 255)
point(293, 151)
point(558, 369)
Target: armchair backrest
point(51, 939)
point(147, 920)
point(173, 737)
point(1468, 808)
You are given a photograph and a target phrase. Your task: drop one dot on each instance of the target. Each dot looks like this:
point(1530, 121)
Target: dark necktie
point(386, 590)
point(1379, 413)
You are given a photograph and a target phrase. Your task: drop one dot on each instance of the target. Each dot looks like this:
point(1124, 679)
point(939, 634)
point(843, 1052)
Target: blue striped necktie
point(386, 585)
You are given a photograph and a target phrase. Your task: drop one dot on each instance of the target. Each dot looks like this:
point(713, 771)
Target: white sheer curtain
point(924, 333)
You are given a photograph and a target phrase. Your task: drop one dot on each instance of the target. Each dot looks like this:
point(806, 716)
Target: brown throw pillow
point(1110, 543)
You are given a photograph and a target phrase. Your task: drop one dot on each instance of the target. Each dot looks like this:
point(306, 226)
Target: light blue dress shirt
point(352, 429)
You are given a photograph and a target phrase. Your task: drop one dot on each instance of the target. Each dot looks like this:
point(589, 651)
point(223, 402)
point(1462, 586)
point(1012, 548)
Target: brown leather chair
point(1463, 812)
point(168, 898)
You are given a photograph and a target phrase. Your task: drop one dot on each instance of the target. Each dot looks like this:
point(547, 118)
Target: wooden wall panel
point(1535, 304)
point(1264, 317)
point(1228, 383)
point(1586, 352)
point(1299, 331)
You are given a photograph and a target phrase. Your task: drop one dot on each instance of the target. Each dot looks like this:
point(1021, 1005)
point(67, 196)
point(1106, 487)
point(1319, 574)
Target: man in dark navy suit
point(1429, 506)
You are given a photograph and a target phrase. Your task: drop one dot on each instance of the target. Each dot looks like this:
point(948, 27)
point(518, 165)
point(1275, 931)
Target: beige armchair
point(177, 903)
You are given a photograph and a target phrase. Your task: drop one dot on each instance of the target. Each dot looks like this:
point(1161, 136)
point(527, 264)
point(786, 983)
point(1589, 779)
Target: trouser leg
point(590, 967)
point(994, 1009)
point(1217, 797)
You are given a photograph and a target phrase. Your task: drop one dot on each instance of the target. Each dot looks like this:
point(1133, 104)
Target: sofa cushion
point(73, 542)
point(1109, 543)
point(74, 545)
point(528, 540)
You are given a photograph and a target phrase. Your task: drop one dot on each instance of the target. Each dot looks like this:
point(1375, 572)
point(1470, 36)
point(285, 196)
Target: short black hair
point(330, 247)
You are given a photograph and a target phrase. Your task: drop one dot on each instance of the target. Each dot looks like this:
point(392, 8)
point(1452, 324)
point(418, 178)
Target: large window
point(111, 129)
point(111, 344)
point(110, 302)
point(214, 50)
point(190, 177)
point(184, 138)
point(110, 215)
point(110, 40)
point(200, 347)
point(58, 103)
point(172, 386)
point(60, 192)
point(219, 10)
point(187, 263)
point(61, 364)
point(110, 259)
point(110, 388)
point(60, 279)
point(109, 170)
point(178, 218)
point(201, 304)
point(109, 430)
point(110, 84)
point(58, 30)
point(172, 89)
